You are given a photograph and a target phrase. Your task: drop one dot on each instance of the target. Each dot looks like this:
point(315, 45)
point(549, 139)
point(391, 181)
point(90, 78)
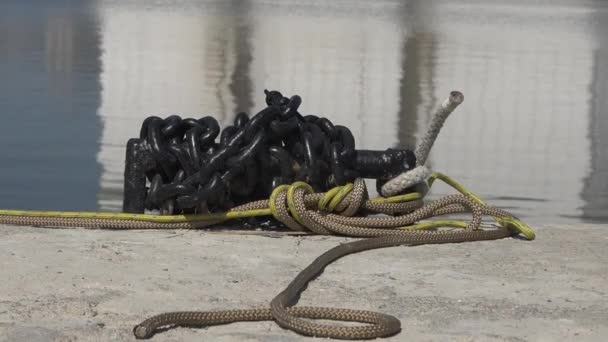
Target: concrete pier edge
point(95, 285)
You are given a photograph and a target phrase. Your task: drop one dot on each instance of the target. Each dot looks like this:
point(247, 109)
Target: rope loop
point(517, 226)
point(291, 192)
point(273, 200)
point(299, 208)
point(334, 197)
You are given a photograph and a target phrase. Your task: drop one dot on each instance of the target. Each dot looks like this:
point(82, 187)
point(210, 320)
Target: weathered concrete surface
point(83, 285)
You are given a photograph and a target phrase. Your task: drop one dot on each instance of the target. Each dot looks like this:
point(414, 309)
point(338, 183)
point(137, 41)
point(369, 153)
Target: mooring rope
point(297, 214)
point(299, 209)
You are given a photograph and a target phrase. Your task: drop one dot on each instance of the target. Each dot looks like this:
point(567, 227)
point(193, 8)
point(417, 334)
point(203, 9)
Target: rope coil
point(334, 212)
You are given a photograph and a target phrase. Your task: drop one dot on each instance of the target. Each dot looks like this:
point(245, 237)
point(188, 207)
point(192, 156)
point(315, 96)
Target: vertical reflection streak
point(241, 85)
point(595, 189)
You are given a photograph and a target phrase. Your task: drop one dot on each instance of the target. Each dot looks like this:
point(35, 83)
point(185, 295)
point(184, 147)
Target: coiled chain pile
point(189, 172)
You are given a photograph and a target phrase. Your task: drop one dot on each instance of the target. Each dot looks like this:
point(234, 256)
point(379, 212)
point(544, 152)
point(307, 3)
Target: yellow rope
point(330, 200)
point(290, 201)
point(513, 223)
point(344, 191)
point(272, 202)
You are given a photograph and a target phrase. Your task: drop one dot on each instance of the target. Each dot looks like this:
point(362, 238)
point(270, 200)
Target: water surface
point(78, 78)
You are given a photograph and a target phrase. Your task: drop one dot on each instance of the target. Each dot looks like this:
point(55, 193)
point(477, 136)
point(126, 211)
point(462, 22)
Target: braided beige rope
point(420, 173)
point(382, 232)
point(98, 223)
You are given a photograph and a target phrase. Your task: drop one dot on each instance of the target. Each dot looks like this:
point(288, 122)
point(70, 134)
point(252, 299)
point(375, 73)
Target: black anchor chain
point(179, 166)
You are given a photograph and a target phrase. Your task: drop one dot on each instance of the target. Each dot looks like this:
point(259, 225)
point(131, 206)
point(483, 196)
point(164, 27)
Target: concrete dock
point(95, 285)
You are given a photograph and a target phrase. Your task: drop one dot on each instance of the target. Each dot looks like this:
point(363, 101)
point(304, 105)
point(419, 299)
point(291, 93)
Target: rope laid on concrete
point(298, 209)
point(325, 213)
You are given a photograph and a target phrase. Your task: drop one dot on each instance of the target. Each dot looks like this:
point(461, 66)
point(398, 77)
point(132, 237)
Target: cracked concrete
point(94, 285)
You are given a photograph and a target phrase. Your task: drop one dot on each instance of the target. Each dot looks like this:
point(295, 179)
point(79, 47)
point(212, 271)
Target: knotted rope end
point(517, 226)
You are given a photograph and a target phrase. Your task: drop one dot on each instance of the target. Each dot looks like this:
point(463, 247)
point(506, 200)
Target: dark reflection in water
point(79, 77)
point(595, 189)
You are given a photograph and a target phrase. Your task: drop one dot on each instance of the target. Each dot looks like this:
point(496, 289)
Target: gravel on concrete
point(95, 285)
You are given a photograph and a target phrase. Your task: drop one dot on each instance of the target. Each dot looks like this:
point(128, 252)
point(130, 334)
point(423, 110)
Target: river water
point(78, 77)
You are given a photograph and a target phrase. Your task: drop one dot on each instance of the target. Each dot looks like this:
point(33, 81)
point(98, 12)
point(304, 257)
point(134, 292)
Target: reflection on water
point(529, 135)
point(595, 190)
point(49, 96)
